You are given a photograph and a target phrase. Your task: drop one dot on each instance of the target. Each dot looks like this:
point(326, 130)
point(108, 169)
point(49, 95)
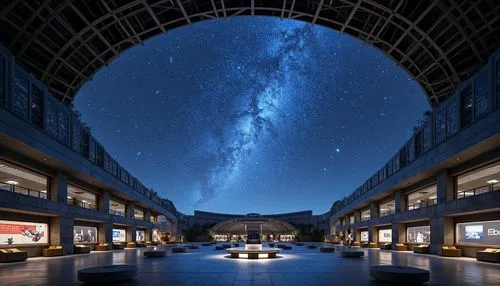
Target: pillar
point(129, 210)
point(61, 233)
point(445, 188)
point(105, 233)
point(372, 234)
point(148, 235)
point(373, 210)
point(442, 233)
point(59, 187)
point(357, 216)
point(357, 235)
point(147, 215)
point(398, 234)
point(131, 235)
point(104, 202)
point(400, 201)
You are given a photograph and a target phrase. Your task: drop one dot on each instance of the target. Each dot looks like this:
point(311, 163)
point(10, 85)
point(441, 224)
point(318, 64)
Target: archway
point(64, 43)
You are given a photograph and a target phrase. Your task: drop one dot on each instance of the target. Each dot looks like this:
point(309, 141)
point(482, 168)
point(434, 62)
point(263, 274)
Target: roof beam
point(153, 15)
point(320, 6)
point(353, 11)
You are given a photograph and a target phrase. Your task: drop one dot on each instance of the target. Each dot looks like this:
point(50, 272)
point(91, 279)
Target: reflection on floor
point(206, 266)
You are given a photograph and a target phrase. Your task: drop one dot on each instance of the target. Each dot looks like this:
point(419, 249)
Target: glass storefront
point(84, 234)
point(19, 180)
point(365, 215)
point(119, 235)
point(418, 234)
point(479, 181)
point(351, 219)
point(422, 198)
point(363, 235)
point(479, 233)
point(385, 235)
point(20, 232)
point(140, 235)
point(387, 208)
point(81, 198)
point(156, 235)
point(138, 214)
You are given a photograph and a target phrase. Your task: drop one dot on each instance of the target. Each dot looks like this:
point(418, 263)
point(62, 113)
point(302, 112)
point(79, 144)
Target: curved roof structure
point(439, 43)
point(237, 226)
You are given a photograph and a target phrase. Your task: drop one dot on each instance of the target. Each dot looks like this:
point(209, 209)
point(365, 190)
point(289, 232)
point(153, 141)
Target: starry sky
point(252, 114)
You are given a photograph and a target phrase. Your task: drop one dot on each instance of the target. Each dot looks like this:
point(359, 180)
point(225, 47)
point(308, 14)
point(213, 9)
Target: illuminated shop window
point(418, 234)
point(19, 180)
point(479, 181)
point(81, 198)
point(116, 208)
point(365, 215)
point(387, 208)
point(422, 198)
point(138, 214)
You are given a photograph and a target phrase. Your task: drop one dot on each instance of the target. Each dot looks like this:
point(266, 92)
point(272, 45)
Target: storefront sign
point(385, 235)
point(119, 235)
point(418, 234)
point(364, 236)
point(485, 233)
point(84, 234)
point(140, 235)
point(19, 232)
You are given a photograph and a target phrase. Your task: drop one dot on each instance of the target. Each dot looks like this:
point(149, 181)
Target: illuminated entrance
point(268, 229)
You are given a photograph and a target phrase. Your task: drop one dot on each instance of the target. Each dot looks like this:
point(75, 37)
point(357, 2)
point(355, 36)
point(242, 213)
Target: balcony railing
point(118, 213)
point(81, 204)
point(422, 204)
point(387, 213)
point(23, 191)
point(365, 218)
point(478, 191)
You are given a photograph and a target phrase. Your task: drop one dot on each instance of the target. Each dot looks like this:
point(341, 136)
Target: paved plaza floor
point(206, 266)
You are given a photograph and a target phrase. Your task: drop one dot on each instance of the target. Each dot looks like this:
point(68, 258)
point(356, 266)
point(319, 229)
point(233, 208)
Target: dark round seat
point(352, 254)
point(107, 274)
point(179, 249)
point(155, 253)
point(312, 246)
point(399, 274)
point(219, 247)
point(327, 249)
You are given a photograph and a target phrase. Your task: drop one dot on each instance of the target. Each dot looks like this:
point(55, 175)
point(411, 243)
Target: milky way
point(252, 114)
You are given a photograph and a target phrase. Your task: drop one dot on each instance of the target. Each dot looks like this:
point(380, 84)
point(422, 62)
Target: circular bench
point(155, 253)
point(287, 247)
point(399, 274)
point(192, 246)
point(107, 274)
point(219, 247)
point(327, 249)
point(205, 244)
point(312, 246)
point(299, 244)
point(179, 249)
point(352, 254)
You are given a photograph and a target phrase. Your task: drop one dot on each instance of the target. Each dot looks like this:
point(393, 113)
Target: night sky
point(252, 114)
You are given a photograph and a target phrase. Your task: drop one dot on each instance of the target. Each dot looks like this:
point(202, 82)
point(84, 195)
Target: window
point(480, 181)
point(85, 143)
point(481, 94)
point(3, 80)
point(77, 135)
point(363, 235)
point(51, 117)
point(140, 235)
point(116, 208)
point(451, 118)
point(387, 208)
point(422, 198)
point(385, 235)
point(99, 156)
point(440, 126)
point(63, 126)
point(81, 198)
point(19, 180)
point(466, 106)
point(479, 233)
point(426, 134)
point(418, 144)
point(138, 214)
point(92, 155)
point(351, 219)
point(20, 94)
point(418, 234)
point(119, 235)
point(20, 232)
point(86, 234)
point(365, 215)
point(37, 106)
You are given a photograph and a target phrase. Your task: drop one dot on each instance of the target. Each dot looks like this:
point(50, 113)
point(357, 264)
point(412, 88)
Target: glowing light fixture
point(12, 183)
point(492, 181)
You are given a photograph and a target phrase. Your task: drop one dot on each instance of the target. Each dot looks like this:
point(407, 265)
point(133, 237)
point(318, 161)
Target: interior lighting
point(492, 181)
point(12, 183)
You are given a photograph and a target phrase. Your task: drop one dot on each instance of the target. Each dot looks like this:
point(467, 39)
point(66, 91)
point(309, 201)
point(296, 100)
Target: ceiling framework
point(237, 226)
point(440, 43)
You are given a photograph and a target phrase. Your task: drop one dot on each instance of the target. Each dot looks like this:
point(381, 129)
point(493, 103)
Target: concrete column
point(129, 209)
point(398, 234)
point(445, 188)
point(357, 235)
point(61, 233)
point(148, 235)
point(131, 235)
point(104, 202)
point(400, 201)
point(59, 187)
point(357, 216)
point(373, 210)
point(442, 233)
point(147, 215)
point(372, 234)
point(105, 233)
